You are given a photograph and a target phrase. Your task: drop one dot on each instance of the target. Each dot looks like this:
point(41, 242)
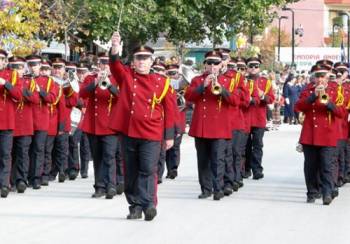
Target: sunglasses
point(17, 66)
point(142, 57)
point(172, 73)
point(320, 75)
point(212, 62)
point(104, 61)
point(254, 66)
point(57, 66)
point(157, 69)
point(33, 64)
point(241, 68)
point(70, 70)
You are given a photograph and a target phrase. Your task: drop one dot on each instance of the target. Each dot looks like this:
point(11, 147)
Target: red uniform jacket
point(57, 110)
point(24, 113)
point(258, 110)
point(319, 128)
point(99, 108)
point(145, 108)
point(345, 123)
point(236, 113)
point(252, 100)
point(9, 96)
point(211, 118)
point(48, 94)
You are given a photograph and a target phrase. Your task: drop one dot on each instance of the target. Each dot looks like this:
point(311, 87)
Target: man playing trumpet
point(319, 134)
point(211, 125)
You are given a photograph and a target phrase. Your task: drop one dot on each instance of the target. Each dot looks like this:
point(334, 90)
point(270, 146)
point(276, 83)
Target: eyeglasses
point(171, 73)
point(254, 66)
point(212, 62)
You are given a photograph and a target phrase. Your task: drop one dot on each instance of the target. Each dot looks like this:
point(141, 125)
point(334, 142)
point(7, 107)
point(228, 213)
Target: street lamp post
point(333, 33)
point(279, 36)
point(293, 37)
point(348, 42)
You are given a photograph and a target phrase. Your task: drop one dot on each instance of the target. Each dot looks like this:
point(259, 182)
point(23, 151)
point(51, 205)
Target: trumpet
point(104, 82)
point(180, 99)
point(216, 88)
point(323, 96)
point(71, 81)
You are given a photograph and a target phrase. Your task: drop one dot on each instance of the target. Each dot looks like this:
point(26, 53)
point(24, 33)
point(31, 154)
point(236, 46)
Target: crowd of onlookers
point(287, 86)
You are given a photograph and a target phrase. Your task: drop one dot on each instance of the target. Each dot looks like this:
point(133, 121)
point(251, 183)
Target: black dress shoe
point(36, 185)
point(240, 183)
point(61, 177)
point(111, 192)
point(247, 174)
point(218, 195)
point(98, 193)
point(150, 213)
point(340, 183)
point(235, 186)
point(228, 191)
point(204, 195)
point(327, 200)
point(311, 200)
point(21, 187)
point(159, 181)
point(347, 179)
point(173, 174)
point(73, 174)
point(335, 192)
point(44, 182)
point(135, 212)
point(84, 176)
point(4, 191)
point(258, 176)
point(318, 196)
point(120, 188)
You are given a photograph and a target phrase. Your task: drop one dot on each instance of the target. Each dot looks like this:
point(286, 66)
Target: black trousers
point(245, 164)
point(161, 162)
point(229, 175)
point(339, 161)
point(48, 165)
point(237, 138)
point(37, 156)
point(103, 149)
point(173, 154)
point(6, 140)
point(140, 159)
point(318, 169)
point(254, 151)
point(79, 152)
point(60, 155)
point(20, 159)
point(170, 157)
point(347, 159)
point(211, 163)
point(119, 163)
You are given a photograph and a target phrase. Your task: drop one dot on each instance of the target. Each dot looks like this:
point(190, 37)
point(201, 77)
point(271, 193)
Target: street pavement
point(272, 210)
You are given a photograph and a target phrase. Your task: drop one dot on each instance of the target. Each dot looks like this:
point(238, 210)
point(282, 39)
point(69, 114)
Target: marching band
point(130, 120)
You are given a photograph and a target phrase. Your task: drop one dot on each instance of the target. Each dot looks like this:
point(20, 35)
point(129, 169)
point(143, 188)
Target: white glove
point(2, 81)
point(287, 101)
